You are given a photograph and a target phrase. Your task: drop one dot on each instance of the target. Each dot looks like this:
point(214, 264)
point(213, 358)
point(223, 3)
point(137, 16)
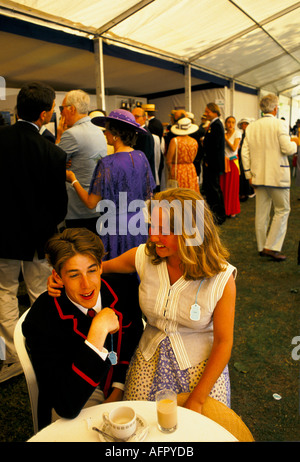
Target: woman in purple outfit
point(118, 180)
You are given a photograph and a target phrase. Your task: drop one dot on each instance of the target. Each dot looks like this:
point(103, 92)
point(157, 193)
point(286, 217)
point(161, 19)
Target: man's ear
point(42, 117)
point(57, 277)
point(72, 109)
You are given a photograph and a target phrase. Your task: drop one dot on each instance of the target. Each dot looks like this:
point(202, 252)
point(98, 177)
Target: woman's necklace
point(195, 309)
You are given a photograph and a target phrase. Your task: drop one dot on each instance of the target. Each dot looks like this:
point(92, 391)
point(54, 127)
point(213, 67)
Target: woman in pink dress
point(230, 180)
point(183, 170)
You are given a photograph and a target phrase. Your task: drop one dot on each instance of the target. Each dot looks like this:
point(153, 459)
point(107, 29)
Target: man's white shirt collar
point(97, 307)
point(31, 123)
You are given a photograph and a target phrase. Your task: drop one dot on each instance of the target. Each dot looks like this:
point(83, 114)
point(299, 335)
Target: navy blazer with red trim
point(67, 369)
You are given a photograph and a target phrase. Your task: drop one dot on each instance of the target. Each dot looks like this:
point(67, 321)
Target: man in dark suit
point(154, 124)
point(145, 141)
point(81, 360)
point(34, 202)
point(214, 162)
point(155, 127)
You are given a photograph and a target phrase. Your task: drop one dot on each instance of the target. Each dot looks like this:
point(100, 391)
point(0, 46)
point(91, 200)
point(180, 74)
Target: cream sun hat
point(184, 127)
point(94, 114)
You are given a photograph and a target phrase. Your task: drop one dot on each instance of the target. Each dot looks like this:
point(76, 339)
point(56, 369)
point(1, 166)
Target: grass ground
point(267, 319)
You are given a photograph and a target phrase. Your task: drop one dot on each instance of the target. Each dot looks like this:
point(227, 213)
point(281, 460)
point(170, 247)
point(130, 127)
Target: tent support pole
point(232, 90)
point(99, 69)
point(188, 86)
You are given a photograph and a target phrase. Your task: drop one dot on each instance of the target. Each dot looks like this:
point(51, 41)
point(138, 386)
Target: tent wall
point(239, 104)
point(295, 111)
point(165, 105)
point(245, 105)
point(221, 96)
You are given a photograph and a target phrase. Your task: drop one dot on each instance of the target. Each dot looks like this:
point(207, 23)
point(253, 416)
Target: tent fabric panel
point(28, 29)
point(89, 13)
point(123, 77)
point(264, 74)
point(228, 39)
point(60, 66)
point(285, 84)
point(241, 54)
point(262, 10)
point(175, 27)
point(286, 30)
point(125, 53)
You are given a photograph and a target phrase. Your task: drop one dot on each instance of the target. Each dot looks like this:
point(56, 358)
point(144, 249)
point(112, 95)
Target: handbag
point(171, 182)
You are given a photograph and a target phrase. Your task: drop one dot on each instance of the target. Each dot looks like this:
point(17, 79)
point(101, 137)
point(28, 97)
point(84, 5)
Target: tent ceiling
point(252, 42)
point(66, 68)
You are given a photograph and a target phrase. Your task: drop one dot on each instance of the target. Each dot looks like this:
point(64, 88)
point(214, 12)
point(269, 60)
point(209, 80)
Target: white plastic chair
point(33, 391)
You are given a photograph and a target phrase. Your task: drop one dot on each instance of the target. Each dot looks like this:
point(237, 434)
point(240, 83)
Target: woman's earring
point(115, 138)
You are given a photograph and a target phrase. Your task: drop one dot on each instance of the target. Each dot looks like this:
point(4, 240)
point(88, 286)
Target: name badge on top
point(195, 310)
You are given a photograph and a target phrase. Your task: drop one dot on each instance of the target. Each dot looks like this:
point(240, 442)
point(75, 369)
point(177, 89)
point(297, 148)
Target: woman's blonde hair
point(209, 256)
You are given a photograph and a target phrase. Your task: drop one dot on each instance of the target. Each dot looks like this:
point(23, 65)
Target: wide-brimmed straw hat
point(184, 127)
point(121, 115)
point(149, 107)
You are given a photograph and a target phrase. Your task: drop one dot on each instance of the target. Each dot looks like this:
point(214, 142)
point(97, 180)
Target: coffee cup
point(122, 422)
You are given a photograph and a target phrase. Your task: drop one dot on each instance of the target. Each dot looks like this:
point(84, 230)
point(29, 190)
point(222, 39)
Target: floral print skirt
point(145, 378)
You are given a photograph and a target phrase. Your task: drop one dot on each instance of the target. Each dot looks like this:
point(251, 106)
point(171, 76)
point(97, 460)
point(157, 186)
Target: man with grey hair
point(84, 144)
point(265, 152)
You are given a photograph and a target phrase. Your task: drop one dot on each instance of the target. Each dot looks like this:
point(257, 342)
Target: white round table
point(192, 427)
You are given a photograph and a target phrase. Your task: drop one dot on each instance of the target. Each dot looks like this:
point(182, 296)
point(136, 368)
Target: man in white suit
point(265, 152)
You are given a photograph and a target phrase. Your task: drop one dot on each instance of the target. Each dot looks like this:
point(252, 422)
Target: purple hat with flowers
point(121, 115)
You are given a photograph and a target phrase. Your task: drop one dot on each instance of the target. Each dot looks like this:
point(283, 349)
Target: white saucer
point(140, 424)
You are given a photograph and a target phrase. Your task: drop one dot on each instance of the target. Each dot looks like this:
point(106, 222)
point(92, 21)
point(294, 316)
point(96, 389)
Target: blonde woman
point(187, 294)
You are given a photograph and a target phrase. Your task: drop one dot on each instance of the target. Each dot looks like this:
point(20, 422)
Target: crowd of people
point(102, 241)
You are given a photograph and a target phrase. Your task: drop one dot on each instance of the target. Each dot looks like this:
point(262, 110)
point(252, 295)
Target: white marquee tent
point(157, 49)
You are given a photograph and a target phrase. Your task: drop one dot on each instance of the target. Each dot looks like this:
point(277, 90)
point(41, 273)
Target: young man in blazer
point(214, 162)
point(81, 360)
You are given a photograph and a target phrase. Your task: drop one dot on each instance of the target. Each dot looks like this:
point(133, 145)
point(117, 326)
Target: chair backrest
point(223, 415)
point(227, 418)
point(33, 391)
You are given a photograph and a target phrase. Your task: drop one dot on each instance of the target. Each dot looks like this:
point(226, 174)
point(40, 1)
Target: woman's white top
point(167, 309)
point(228, 152)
